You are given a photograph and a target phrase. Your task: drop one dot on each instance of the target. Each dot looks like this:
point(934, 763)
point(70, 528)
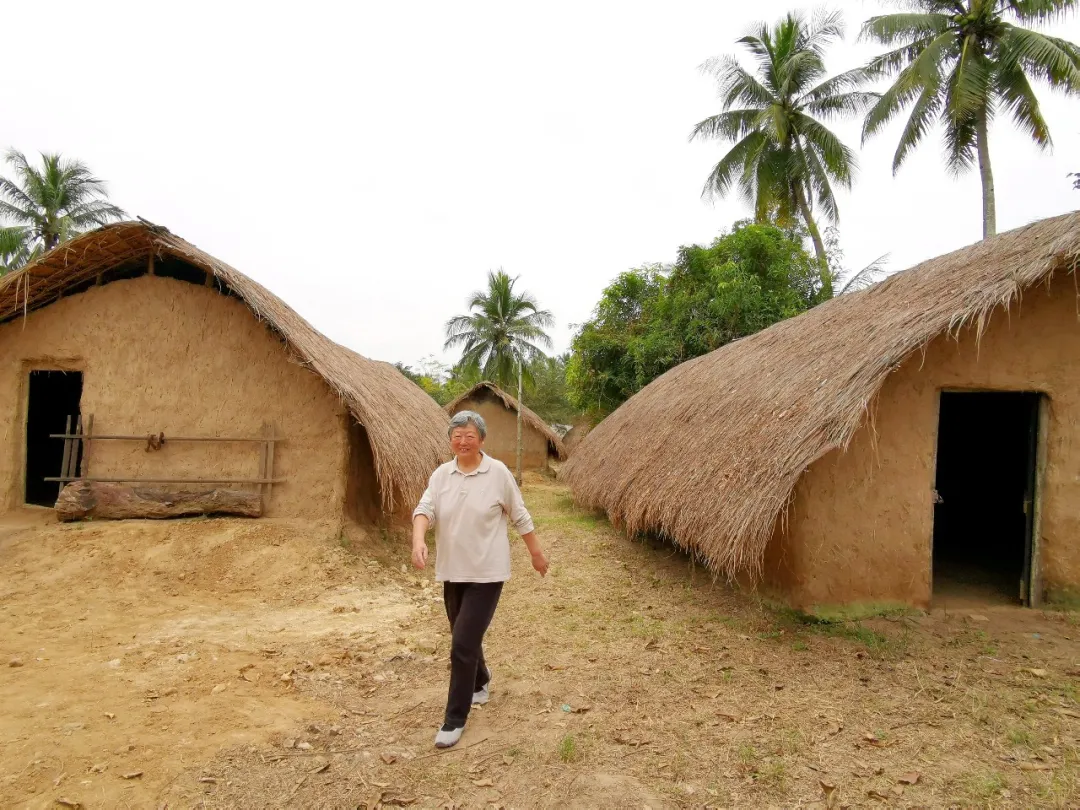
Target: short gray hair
point(463, 418)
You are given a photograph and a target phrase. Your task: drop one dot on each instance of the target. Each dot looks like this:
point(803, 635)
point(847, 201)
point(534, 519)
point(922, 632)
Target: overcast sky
point(370, 164)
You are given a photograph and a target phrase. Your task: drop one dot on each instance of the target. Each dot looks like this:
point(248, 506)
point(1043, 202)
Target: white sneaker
point(482, 695)
point(445, 738)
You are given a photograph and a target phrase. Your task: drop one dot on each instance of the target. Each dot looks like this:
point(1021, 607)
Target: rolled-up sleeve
point(426, 507)
point(515, 507)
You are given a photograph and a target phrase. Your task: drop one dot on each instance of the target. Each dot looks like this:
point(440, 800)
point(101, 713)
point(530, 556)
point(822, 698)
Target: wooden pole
point(88, 433)
point(67, 450)
point(520, 406)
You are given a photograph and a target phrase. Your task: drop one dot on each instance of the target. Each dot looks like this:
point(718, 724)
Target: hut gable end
point(488, 391)
point(405, 427)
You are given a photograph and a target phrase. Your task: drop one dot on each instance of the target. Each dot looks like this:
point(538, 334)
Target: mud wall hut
point(540, 444)
point(899, 444)
point(150, 336)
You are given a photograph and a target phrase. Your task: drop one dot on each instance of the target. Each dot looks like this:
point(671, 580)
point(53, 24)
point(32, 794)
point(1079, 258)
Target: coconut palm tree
point(47, 205)
point(962, 62)
point(501, 331)
point(784, 160)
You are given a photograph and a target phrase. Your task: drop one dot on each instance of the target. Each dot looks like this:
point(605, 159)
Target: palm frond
point(732, 165)
point(730, 125)
point(1041, 11)
point(870, 274)
point(1017, 97)
point(837, 160)
point(922, 74)
point(736, 86)
point(923, 114)
point(889, 29)
point(1053, 60)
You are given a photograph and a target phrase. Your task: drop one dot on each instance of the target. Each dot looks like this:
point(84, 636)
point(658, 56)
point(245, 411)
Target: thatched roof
point(406, 428)
point(709, 453)
point(528, 416)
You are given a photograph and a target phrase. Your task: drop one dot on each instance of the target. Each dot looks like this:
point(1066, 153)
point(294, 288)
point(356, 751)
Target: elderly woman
point(470, 499)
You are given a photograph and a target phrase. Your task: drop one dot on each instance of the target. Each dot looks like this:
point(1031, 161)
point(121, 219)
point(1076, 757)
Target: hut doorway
point(985, 505)
point(53, 397)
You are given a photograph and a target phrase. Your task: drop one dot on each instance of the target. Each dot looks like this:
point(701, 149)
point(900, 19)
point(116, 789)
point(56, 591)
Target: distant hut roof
point(710, 452)
point(406, 428)
point(528, 416)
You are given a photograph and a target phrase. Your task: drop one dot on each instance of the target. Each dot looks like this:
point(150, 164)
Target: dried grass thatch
point(406, 428)
point(528, 416)
point(709, 453)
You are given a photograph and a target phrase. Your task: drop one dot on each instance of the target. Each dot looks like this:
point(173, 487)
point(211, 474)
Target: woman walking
point(470, 500)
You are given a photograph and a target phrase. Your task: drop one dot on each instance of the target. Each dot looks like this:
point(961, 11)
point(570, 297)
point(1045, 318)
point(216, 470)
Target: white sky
point(370, 162)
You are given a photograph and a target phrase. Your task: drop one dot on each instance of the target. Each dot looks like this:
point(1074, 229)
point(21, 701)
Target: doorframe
point(1036, 591)
point(17, 490)
point(1034, 595)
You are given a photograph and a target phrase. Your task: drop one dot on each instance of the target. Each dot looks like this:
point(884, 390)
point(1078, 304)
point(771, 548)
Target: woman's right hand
point(419, 554)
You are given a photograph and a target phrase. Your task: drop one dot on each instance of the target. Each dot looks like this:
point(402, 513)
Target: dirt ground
point(208, 663)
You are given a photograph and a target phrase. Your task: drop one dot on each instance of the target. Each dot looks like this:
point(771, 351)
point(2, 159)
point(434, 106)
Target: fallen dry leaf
point(389, 759)
point(877, 794)
point(1035, 766)
point(68, 803)
point(828, 787)
point(911, 778)
point(208, 780)
point(554, 667)
point(508, 760)
point(1068, 713)
point(110, 715)
point(484, 783)
point(132, 774)
point(897, 790)
point(1038, 673)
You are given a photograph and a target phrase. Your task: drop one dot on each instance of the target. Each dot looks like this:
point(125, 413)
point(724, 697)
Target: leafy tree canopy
point(653, 318)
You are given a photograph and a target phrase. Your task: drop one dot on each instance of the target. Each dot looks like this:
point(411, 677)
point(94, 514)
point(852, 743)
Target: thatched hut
point(143, 334)
point(891, 445)
point(540, 444)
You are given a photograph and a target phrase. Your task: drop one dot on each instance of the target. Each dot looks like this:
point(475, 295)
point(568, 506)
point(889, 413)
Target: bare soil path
point(261, 664)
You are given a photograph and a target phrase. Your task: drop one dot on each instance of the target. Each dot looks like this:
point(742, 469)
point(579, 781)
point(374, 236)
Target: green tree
point(44, 206)
point(652, 319)
point(502, 329)
point(547, 393)
point(601, 373)
point(784, 160)
point(961, 62)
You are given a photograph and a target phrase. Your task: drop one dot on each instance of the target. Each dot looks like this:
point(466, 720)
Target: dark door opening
point(54, 396)
point(985, 485)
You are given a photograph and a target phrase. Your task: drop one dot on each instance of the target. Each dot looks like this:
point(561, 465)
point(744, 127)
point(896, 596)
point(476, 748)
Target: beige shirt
point(470, 512)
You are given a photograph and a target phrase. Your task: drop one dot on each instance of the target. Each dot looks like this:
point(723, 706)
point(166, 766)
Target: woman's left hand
point(540, 563)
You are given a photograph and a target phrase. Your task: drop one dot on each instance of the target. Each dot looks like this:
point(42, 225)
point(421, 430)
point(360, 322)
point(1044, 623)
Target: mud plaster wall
point(501, 439)
point(159, 354)
point(861, 524)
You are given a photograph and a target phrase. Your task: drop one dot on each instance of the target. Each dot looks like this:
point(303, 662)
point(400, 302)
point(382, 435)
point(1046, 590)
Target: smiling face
point(465, 442)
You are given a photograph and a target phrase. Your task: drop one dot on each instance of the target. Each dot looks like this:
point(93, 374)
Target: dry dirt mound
point(130, 650)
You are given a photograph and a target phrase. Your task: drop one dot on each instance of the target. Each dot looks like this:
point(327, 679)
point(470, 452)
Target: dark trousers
point(469, 606)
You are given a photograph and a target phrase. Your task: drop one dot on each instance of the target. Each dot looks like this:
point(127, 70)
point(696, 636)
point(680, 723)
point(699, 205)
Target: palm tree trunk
point(520, 406)
point(982, 140)
point(815, 237)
